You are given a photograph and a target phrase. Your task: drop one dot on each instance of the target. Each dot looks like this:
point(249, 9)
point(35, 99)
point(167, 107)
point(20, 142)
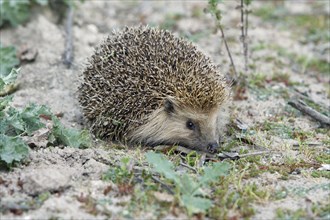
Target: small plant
point(15, 123)
point(214, 11)
point(119, 174)
point(189, 190)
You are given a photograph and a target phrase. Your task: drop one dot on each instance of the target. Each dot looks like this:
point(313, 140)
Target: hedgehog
point(145, 86)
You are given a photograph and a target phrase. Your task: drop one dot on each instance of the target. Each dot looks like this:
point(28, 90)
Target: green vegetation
point(15, 123)
point(289, 214)
point(119, 174)
point(233, 198)
point(15, 12)
point(321, 173)
point(8, 60)
point(189, 190)
point(313, 211)
point(305, 63)
point(278, 129)
point(314, 26)
point(163, 187)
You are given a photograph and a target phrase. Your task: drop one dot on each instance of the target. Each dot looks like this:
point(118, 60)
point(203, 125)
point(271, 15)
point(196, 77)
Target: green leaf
point(189, 186)
point(12, 124)
point(11, 77)
point(31, 117)
point(8, 60)
point(212, 8)
point(25, 121)
point(68, 136)
point(247, 2)
point(13, 11)
point(163, 166)
point(196, 204)
point(213, 172)
point(42, 2)
point(12, 149)
point(2, 84)
point(4, 101)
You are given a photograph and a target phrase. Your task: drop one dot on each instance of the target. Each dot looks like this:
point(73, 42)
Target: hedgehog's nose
point(212, 147)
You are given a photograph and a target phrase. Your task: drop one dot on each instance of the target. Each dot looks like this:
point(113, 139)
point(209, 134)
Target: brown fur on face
point(174, 124)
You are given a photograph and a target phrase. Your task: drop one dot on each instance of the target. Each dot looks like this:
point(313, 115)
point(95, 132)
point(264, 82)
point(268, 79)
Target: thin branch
point(244, 27)
point(163, 184)
point(236, 156)
point(68, 53)
point(301, 106)
point(242, 21)
point(189, 167)
point(246, 51)
point(228, 51)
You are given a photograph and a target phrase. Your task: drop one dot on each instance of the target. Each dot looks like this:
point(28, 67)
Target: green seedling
point(189, 190)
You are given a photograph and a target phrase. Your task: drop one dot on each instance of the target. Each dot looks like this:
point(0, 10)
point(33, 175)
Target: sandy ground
point(68, 173)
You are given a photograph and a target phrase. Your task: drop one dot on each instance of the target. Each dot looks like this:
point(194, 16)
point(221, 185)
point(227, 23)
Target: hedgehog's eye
point(190, 125)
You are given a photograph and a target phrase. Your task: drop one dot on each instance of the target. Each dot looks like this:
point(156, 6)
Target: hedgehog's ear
point(169, 105)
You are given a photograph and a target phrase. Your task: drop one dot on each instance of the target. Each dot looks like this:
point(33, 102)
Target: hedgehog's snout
point(212, 147)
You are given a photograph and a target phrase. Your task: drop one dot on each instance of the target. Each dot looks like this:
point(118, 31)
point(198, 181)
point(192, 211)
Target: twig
point(305, 97)
point(301, 106)
point(163, 184)
point(244, 34)
point(246, 21)
point(236, 156)
point(189, 167)
point(228, 51)
point(307, 144)
point(297, 146)
point(68, 53)
point(242, 19)
point(246, 48)
point(217, 13)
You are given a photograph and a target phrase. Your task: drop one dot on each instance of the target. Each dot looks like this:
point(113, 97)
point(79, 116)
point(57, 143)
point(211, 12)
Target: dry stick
point(243, 36)
point(68, 53)
point(303, 96)
point(301, 106)
point(189, 167)
point(236, 156)
point(228, 51)
point(163, 184)
point(246, 49)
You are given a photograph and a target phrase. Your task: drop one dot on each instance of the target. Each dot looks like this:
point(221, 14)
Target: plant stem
point(68, 53)
point(228, 51)
point(244, 28)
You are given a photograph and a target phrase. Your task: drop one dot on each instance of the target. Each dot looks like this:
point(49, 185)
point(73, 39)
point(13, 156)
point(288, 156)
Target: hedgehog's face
point(189, 128)
point(172, 124)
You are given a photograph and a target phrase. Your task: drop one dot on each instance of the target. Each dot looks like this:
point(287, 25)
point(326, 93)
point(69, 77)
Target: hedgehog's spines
point(133, 71)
